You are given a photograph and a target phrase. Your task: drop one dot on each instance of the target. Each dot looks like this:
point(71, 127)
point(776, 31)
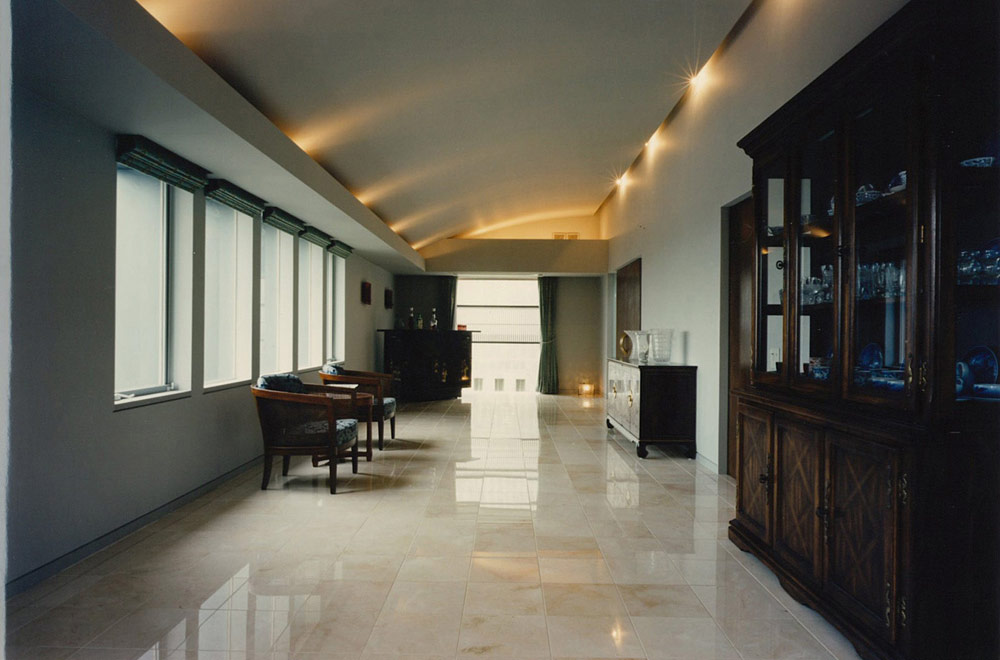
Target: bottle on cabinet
point(410, 321)
point(434, 318)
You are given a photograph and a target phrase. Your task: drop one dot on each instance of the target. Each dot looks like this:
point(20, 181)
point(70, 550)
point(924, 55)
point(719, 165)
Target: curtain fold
point(548, 374)
point(449, 291)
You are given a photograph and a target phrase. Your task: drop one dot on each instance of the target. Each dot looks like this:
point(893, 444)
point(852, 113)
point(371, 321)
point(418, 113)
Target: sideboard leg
point(641, 450)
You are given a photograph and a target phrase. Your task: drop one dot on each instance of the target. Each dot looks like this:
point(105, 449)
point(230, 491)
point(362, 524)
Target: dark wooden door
point(861, 549)
point(628, 302)
point(798, 464)
point(753, 492)
point(740, 311)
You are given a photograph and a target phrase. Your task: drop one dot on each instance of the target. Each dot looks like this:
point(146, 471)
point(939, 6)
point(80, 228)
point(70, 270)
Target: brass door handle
point(629, 399)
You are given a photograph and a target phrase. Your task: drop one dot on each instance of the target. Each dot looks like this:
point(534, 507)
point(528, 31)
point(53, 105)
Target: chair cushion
point(281, 383)
point(313, 434)
point(388, 407)
point(331, 368)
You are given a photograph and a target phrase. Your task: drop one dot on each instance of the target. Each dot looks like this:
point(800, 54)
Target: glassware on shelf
point(991, 267)
point(638, 350)
point(827, 274)
point(661, 345)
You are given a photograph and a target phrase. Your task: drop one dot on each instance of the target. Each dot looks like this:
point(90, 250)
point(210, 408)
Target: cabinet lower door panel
point(861, 550)
point(753, 493)
point(799, 503)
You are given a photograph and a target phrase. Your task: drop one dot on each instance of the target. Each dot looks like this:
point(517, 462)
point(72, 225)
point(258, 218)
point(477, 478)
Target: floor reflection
point(499, 525)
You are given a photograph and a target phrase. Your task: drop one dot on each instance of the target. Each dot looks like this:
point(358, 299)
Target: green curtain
point(548, 374)
point(446, 314)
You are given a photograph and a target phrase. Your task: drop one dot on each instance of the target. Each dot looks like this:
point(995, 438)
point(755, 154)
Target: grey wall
point(364, 343)
point(669, 214)
point(79, 468)
point(579, 325)
point(5, 190)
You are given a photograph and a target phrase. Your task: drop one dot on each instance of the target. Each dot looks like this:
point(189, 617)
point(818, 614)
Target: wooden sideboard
point(652, 404)
point(428, 365)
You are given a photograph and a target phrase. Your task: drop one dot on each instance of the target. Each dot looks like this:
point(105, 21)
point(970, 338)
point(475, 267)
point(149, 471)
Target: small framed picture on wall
point(388, 298)
point(366, 293)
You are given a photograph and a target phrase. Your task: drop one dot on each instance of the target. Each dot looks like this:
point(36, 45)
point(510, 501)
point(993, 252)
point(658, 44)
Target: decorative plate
point(983, 363)
point(986, 390)
point(982, 161)
point(871, 357)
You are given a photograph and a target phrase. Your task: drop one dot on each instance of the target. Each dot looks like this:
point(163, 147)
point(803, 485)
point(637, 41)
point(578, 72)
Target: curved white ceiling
point(448, 116)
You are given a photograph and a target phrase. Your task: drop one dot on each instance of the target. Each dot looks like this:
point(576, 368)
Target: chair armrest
point(292, 397)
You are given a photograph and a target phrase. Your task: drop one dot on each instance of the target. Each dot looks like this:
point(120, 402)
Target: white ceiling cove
point(447, 117)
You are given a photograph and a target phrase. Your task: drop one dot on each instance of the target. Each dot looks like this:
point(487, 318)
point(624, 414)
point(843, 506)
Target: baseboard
point(30, 579)
point(711, 465)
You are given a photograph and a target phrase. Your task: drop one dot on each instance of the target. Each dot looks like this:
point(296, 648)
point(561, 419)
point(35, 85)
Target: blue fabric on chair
point(388, 406)
point(281, 383)
point(304, 435)
point(331, 368)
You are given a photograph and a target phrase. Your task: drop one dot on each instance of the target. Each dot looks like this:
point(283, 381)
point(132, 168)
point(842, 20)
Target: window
point(228, 291)
point(333, 331)
point(276, 295)
point(505, 351)
point(152, 285)
point(310, 305)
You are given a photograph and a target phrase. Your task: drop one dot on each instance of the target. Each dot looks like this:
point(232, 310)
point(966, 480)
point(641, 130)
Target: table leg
point(368, 446)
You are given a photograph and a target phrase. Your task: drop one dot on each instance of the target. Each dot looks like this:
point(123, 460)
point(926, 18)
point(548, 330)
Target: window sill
point(150, 399)
point(304, 370)
point(228, 385)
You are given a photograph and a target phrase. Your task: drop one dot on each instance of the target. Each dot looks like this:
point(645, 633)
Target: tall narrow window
point(329, 275)
point(228, 291)
point(310, 305)
point(152, 285)
point(506, 348)
point(276, 296)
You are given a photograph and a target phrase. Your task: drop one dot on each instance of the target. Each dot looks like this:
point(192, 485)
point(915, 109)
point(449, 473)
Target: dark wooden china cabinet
point(868, 433)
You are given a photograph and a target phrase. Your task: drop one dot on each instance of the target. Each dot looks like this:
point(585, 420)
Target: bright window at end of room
point(505, 349)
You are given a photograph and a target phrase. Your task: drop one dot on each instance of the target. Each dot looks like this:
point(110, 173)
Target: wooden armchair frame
point(323, 408)
point(377, 384)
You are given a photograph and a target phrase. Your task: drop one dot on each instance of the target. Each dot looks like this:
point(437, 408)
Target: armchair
point(377, 384)
point(300, 420)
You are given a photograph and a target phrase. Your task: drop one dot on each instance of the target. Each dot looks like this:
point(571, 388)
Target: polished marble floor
point(500, 526)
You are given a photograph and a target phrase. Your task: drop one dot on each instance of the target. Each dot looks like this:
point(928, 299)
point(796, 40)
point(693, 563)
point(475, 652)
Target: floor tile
point(502, 635)
point(504, 569)
point(503, 598)
point(503, 526)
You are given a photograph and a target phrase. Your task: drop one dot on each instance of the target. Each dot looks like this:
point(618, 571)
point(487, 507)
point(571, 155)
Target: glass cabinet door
point(816, 318)
point(769, 345)
point(971, 212)
point(879, 355)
